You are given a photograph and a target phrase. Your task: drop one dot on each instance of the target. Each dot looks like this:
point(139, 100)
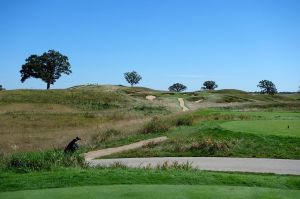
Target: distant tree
point(47, 67)
point(267, 86)
point(177, 87)
point(209, 85)
point(132, 77)
point(1, 88)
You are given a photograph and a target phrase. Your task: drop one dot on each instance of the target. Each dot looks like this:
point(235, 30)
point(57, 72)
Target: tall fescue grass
point(162, 124)
point(41, 161)
point(82, 99)
point(150, 110)
point(106, 135)
point(207, 145)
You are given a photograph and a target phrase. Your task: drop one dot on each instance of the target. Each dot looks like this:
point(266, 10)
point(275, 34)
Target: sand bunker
point(198, 101)
point(150, 97)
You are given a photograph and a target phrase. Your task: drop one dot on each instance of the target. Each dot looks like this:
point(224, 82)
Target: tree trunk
point(48, 86)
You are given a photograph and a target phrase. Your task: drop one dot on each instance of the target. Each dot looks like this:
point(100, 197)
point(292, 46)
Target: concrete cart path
point(257, 165)
point(104, 152)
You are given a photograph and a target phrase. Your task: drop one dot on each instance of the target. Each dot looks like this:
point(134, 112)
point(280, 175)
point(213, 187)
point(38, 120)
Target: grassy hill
point(35, 125)
point(41, 119)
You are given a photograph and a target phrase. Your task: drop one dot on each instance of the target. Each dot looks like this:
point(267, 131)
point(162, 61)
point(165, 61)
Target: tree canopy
point(209, 85)
point(48, 67)
point(267, 86)
point(132, 77)
point(177, 87)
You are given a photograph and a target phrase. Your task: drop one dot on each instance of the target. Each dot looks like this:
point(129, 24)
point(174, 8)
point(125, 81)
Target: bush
point(211, 146)
point(204, 146)
point(156, 125)
point(37, 161)
point(185, 120)
point(162, 124)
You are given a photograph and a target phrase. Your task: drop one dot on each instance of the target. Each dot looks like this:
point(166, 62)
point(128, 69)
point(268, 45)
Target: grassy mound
point(82, 99)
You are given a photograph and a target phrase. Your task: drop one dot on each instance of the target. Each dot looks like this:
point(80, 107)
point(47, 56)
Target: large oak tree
point(267, 86)
point(177, 87)
point(209, 85)
point(132, 77)
point(48, 67)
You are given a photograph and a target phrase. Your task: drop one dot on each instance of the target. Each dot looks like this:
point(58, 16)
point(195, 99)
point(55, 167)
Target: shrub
point(162, 124)
point(184, 120)
point(156, 125)
point(211, 146)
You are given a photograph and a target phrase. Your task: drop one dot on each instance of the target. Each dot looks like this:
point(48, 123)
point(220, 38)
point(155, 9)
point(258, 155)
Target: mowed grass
point(265, 127)
point(76, 177)
point(210, 138)
point(155, 191)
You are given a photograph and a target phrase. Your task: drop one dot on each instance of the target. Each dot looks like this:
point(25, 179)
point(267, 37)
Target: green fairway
point(154, 191)
point(265, 127)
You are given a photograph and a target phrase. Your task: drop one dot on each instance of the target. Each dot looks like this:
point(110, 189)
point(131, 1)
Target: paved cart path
point(256, 165)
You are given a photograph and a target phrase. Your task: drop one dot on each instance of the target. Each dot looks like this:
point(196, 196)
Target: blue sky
point(234, 42)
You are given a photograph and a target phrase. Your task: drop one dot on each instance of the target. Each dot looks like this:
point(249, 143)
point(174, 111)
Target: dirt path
point(104, 152)
point(182, 105)
point(257, 165)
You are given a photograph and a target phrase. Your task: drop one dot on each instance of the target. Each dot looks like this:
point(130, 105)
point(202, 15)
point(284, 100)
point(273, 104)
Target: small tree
point(267, 86)
point(1, 88)
point(209, 85)
point(177, 87)
point(47, 67)
point(132, 77)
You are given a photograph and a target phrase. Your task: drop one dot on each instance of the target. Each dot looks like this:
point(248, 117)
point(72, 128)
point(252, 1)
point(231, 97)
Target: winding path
point(182, 105)
point(104, 152)
point(256, 165)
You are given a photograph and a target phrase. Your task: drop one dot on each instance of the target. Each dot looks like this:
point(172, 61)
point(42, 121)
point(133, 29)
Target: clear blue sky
point(234, 42)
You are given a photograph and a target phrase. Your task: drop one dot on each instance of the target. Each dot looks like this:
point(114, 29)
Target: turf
point(154, 191)
point(266, 127)
point(10, 181)
point(208, 139)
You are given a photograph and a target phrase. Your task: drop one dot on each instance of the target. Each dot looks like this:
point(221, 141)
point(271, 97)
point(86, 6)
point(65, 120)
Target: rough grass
point(82, 99)
point(150, 109)
point(38, 119)
point(25, 131)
